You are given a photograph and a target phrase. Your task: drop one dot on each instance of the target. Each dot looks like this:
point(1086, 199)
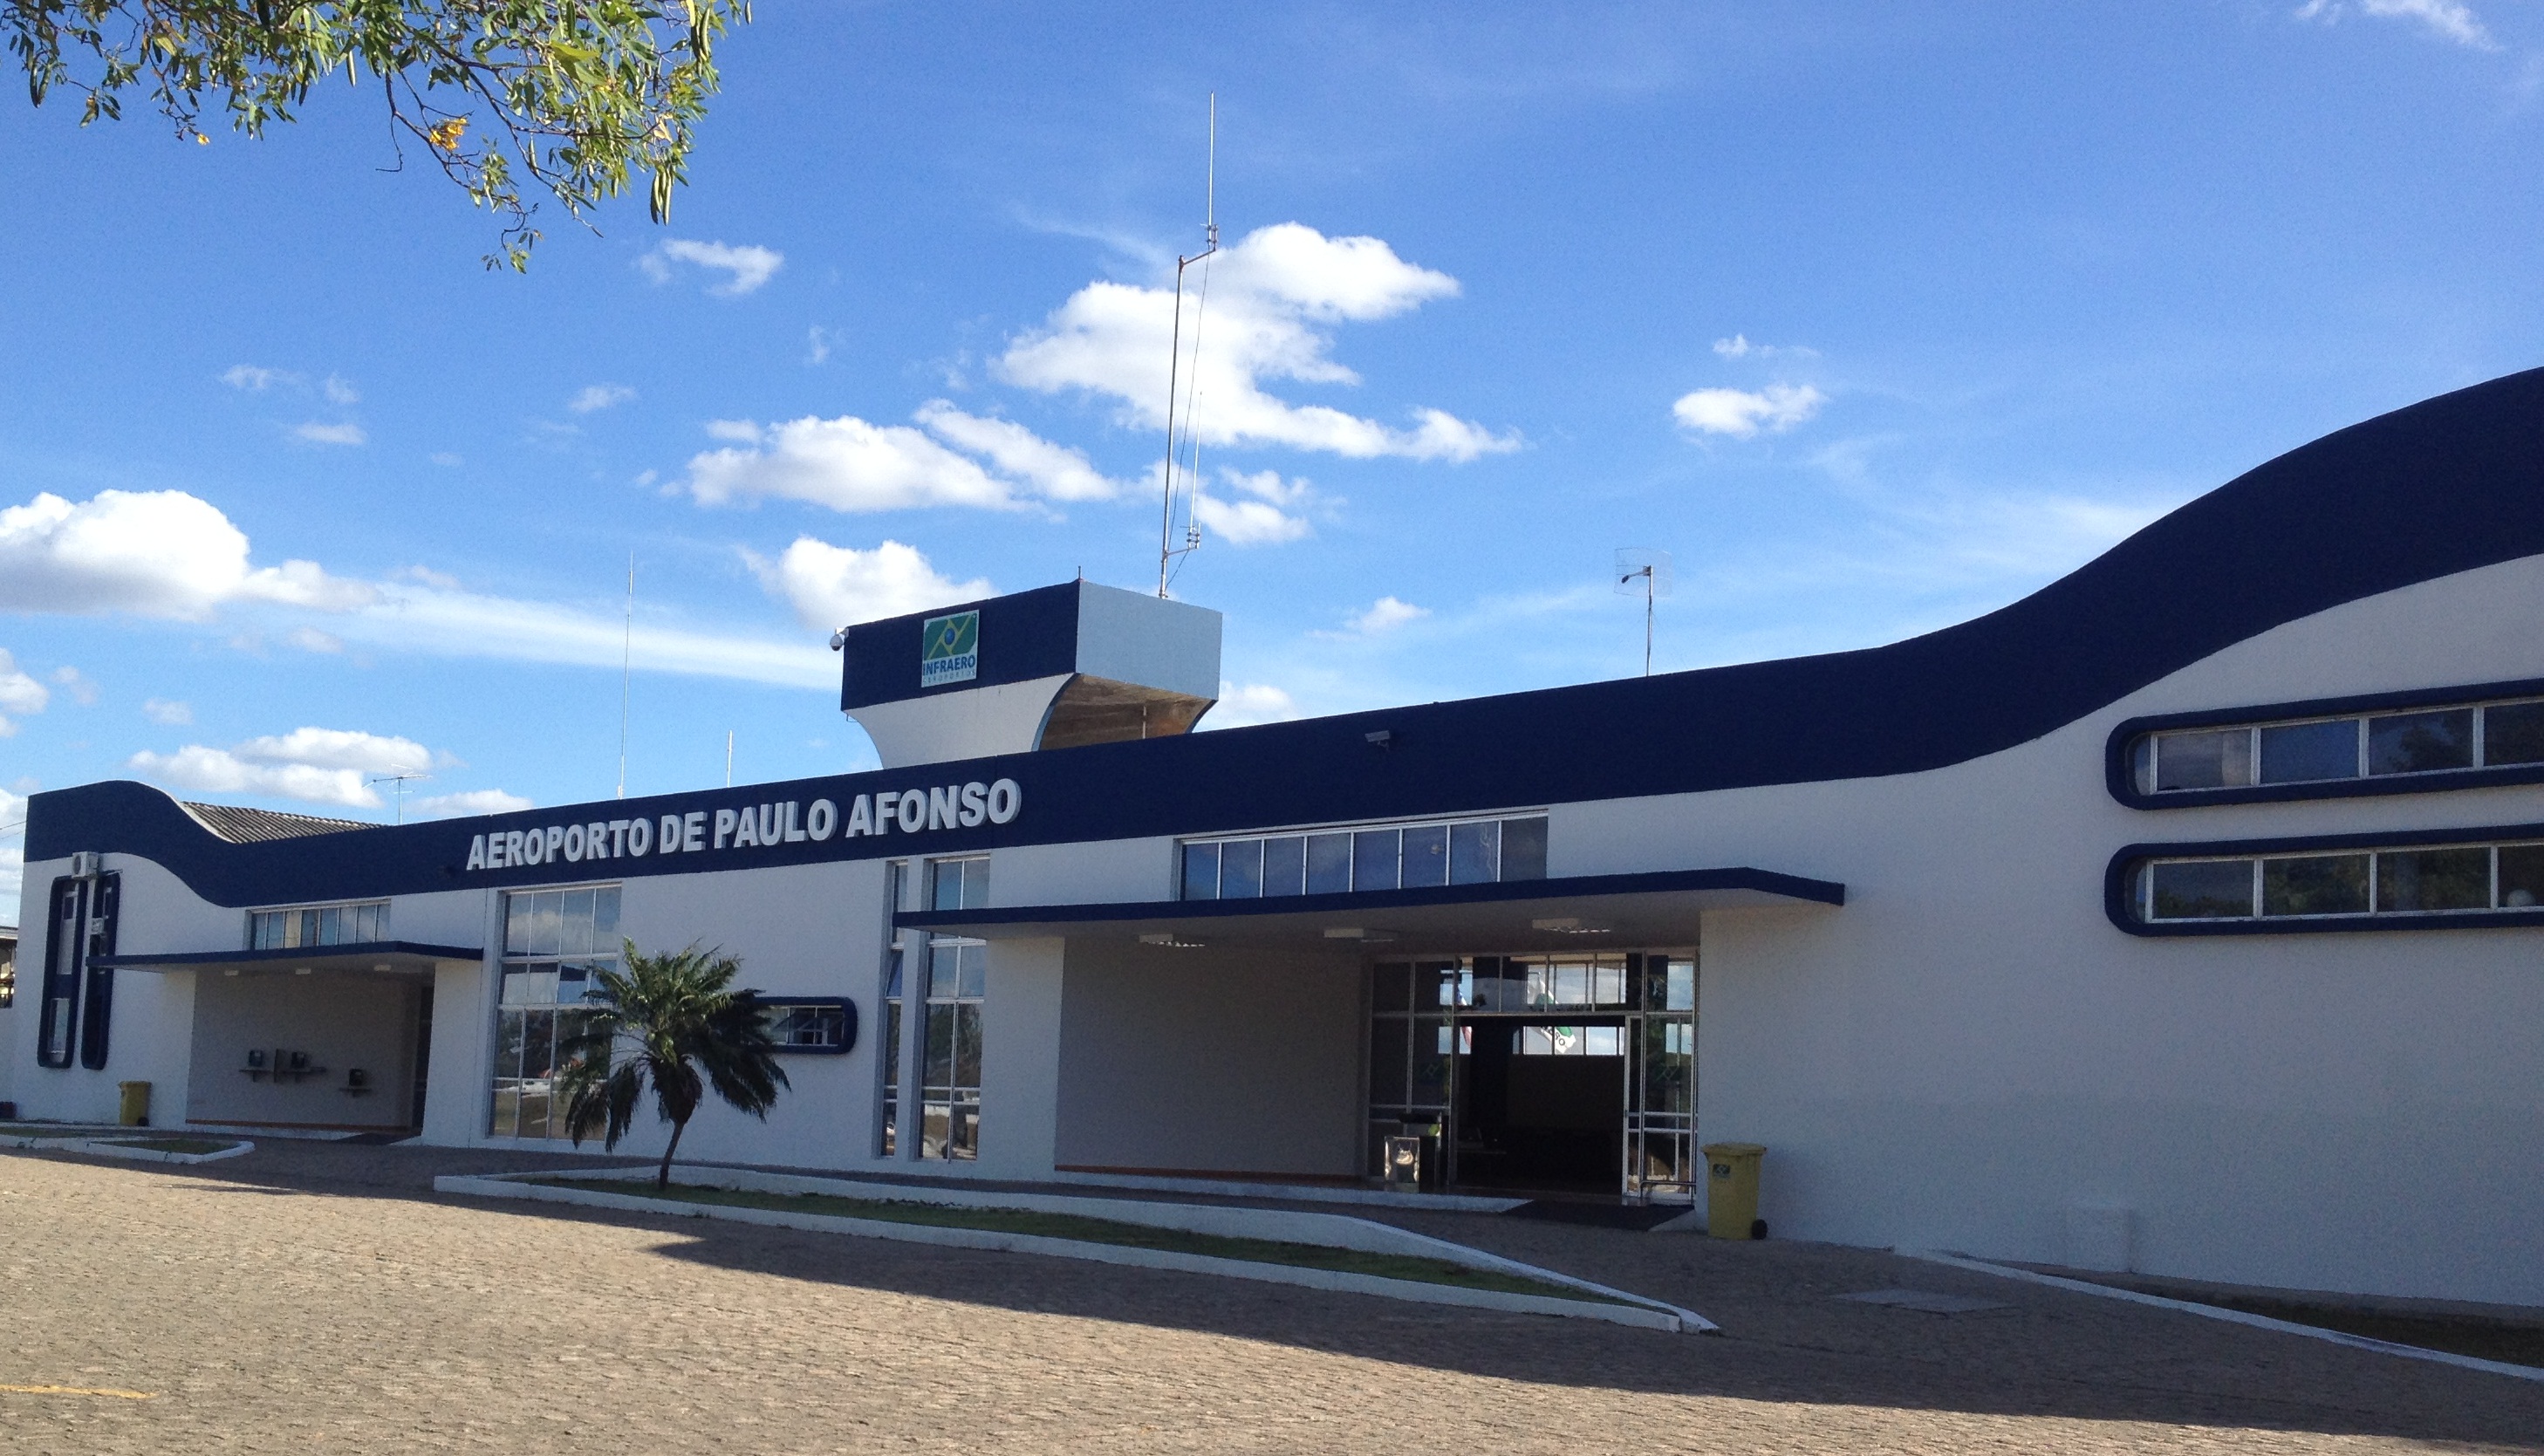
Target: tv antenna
point(626, 669)
point(401, 777)
point(1643, 571)
point(1167, 551)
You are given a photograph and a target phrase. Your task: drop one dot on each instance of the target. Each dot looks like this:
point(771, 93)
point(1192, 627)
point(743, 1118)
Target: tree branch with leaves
point(573, 98)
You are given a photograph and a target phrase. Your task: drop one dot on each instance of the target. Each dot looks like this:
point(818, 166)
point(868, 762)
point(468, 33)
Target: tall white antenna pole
point(626, 666)
point(728, 758)
point(1175, 347)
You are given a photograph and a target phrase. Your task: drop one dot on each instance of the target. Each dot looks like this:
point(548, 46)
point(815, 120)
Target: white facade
point(1969, 1053)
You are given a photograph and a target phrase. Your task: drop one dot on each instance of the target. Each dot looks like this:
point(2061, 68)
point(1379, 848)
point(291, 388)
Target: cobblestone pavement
point(313, 1298)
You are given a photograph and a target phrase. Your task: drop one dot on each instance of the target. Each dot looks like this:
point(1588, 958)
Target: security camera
point(840, 640)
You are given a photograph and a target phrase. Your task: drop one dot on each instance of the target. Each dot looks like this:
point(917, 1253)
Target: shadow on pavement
point(1788, 1340)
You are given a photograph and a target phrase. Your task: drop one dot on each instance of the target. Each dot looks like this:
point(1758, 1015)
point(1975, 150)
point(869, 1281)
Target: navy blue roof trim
point(1666, 881)
point(2123, 786)
point(2117, 892)
point(294, 952)
point(2445, 486)
point(1023, 637)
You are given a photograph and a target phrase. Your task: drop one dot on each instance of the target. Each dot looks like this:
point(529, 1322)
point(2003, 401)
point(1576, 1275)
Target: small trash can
point(1732, 1189)
point(136, 1103)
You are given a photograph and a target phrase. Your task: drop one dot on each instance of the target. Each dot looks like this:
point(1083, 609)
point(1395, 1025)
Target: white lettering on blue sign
point(752, 826)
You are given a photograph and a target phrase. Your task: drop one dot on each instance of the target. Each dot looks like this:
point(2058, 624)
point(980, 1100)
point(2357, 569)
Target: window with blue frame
point(1341, 861)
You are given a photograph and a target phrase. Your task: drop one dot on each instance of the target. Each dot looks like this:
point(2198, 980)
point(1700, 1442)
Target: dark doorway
point(1541, 1105)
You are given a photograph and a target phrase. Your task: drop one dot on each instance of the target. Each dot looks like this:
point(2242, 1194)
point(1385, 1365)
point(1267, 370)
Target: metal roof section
point(260, 825)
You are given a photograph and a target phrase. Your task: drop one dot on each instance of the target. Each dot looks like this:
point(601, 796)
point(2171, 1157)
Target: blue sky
point(1875, 316)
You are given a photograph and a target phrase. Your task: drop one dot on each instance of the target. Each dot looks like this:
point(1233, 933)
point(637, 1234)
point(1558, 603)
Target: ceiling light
point(1571, 924)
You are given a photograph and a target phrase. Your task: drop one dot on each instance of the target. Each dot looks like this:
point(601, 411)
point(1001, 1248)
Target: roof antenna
point(1643, 571)
point(401, 777)
point(1167, 552)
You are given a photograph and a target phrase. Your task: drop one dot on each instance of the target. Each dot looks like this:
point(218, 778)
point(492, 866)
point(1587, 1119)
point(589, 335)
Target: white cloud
point(1243, 704)
point(1386, 615)
point(472, 802)
point(1738, 346)
point(746, 267)
point(832, 587)
point(311, 639)
point(1275, 297)
point(20, 694)
point(318, 434)
point(1741, 412)
point(817, 344)
point(167, 712)
point(254, 378)
point(1055, 470)
point(600, 397)
point(1264, 519)
point(2448, 20)
point(445, 458)
point(320, 765)
point(846, 464)
point(340, 390)
point(156, 553)
point(80, 686)
point(466, 625)
point(13, 851)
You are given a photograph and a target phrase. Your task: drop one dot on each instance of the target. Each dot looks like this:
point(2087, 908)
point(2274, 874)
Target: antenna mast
point(1166, 552)
point(1646, 573)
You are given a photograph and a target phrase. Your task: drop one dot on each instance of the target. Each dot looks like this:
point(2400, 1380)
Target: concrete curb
point(2232, 1316)
point(107, 1148)
point(1642, 1313)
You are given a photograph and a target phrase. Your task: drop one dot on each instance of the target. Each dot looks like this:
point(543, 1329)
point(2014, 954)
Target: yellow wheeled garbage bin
point(136, 1103)
point(1732, 1189)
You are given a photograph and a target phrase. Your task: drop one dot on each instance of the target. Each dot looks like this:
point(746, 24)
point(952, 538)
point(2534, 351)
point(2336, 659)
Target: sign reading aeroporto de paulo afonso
point(700, 831)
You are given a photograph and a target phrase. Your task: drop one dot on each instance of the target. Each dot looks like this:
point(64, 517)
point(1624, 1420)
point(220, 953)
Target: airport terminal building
point(2186, 916)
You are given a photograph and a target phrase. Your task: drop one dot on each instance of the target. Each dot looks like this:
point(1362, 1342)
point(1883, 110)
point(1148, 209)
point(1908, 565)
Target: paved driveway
point(312, 1298)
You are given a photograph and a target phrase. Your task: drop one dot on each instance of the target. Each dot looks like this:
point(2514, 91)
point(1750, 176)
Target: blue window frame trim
point(2116, 776)
point(777, 1006)
point(2119, 899)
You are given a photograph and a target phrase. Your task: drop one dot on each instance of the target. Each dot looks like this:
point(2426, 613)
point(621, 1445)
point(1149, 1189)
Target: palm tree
point(661, 1021)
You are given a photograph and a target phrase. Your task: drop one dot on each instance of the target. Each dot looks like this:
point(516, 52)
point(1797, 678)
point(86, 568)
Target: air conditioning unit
point(87, 864)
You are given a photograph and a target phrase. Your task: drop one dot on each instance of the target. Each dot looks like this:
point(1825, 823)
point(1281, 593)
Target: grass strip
point(45, 1130)
point(1410, 1268)
point(2484, 1339)
point(195, 1146)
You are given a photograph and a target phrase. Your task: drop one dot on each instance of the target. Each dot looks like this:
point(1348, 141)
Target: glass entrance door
point(1536, 1074)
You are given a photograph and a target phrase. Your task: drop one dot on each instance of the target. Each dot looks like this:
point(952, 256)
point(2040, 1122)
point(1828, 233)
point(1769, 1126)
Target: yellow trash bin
point(1732, 1189)
point(136, 1103)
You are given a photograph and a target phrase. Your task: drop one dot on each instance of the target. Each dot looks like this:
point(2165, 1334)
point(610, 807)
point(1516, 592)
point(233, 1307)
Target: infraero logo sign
point(949, 649)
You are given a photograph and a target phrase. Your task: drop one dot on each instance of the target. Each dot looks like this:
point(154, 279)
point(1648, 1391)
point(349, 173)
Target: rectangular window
point(1475, 852)
point(2304, 753)
point(314, 925)
point(949, 1094)
point(2315, 884)
point(1342, 862)
point(817, 1026)
point(887, 1144)
point(2218, 759)
point(1241, 870)
point(2201, 889)
point(1201, 872)
point(2420, 743)
point(2521, 876)
point(1285, 866)
point(958, 884)
point(1374, 858)
point(2409, 880)
point(1328, 863)
point(556, 942)
point(2512, 733)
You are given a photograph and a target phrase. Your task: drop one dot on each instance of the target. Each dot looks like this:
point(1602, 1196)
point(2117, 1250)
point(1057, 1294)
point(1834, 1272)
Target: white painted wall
point(342, 1019)
point(1211, 1060)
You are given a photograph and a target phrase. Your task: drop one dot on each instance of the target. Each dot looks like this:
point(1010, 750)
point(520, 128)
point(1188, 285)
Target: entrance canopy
point(1580, 912)
point(368, 958)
